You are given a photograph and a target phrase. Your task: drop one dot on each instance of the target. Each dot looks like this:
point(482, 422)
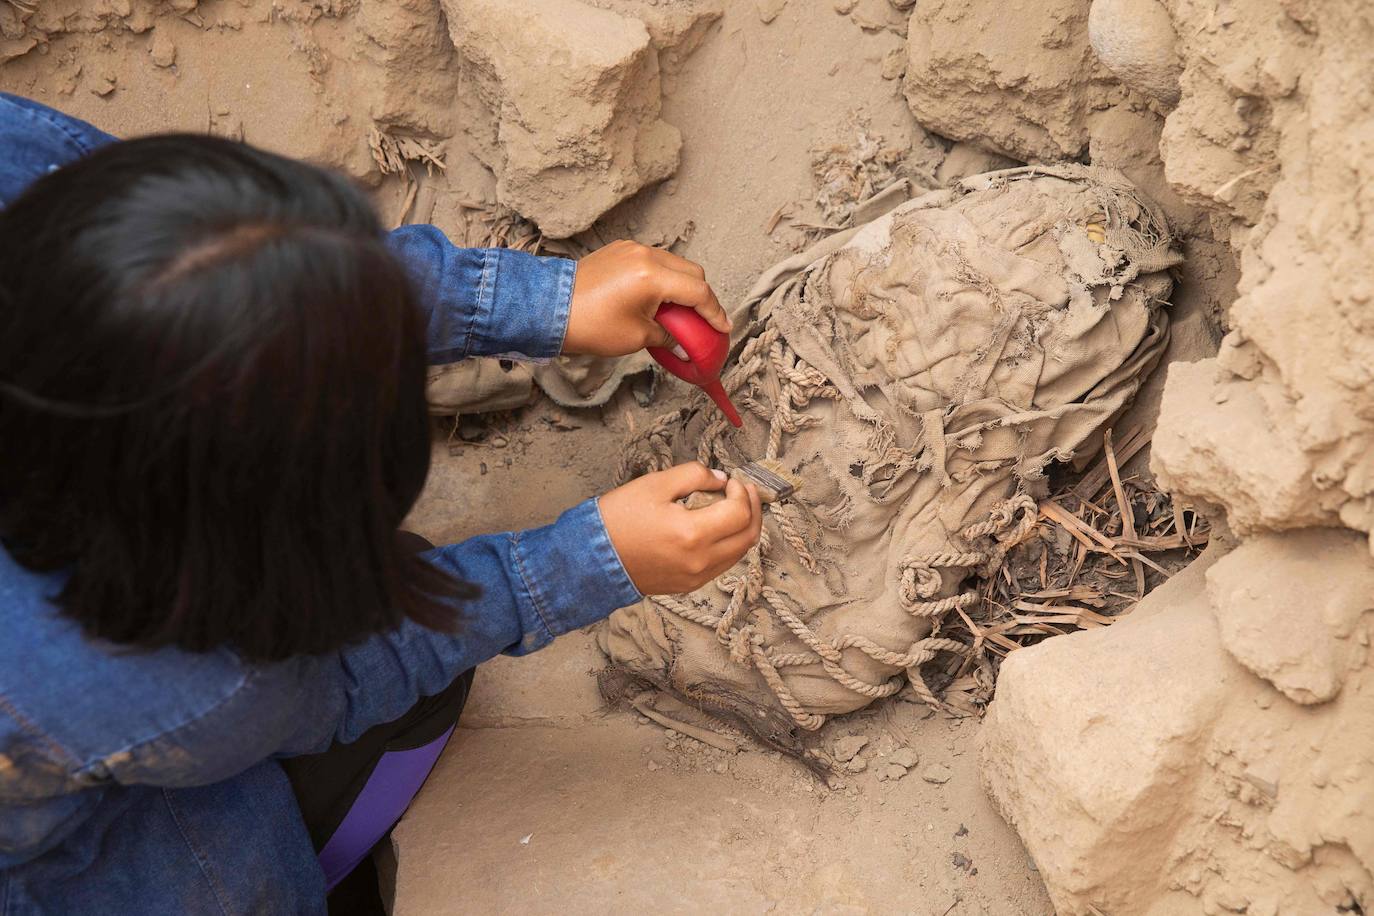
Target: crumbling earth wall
point(1209, 753)
point(1213, 752)
point(558, 99)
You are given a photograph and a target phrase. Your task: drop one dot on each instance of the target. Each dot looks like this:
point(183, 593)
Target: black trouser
point(327, 785)
point(345, 798)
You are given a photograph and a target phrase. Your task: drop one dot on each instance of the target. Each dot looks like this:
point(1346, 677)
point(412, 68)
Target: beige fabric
point(477, 386)
point(482, 385)
point(917, 374)
point(587, 381)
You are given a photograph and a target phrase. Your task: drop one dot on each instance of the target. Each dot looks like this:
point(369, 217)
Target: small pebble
point(905, 757)
point(653, 765)
point(894, 64)
point(721, 767)
point(162, 50)
point(856, 765)
point(848, 746)
point(890, 771)
point(936, 773)
point(769, 9)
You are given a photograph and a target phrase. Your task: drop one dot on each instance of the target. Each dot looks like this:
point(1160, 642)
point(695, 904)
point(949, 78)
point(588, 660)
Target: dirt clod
point(937, 773)
point(905, 757)
point(848, 746)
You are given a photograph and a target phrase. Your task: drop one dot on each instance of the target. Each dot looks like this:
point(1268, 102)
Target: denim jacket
point(146, 781)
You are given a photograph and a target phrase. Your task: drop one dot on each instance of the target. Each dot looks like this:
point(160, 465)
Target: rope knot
point(1003, 526)
point(919, 580)
point(743, 643)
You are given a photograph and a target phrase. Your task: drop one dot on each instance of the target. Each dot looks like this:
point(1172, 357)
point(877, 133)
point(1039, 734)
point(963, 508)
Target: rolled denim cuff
point(571, 572)
point(523, 305)
point(485, 301)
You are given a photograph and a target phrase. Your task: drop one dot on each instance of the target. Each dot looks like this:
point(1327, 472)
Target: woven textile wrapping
point(916, 374)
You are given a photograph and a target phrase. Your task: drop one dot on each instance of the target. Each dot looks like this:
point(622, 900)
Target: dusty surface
point(617, 816)
point(1210, 754)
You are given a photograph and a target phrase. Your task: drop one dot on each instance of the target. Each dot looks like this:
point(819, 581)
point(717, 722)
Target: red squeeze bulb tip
point(706, 349)
point(717, 392)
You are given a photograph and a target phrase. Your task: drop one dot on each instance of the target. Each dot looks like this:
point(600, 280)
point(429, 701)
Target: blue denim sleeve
point(479, 301)
point(536, 585)
point(36, 140)
point(486, 301)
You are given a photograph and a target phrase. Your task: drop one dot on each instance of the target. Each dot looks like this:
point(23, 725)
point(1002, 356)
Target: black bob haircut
point(212, 409)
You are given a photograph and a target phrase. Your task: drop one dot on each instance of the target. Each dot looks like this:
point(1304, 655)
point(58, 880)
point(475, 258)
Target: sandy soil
point(543, 803)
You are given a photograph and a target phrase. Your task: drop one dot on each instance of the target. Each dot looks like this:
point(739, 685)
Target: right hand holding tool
point(617, 291)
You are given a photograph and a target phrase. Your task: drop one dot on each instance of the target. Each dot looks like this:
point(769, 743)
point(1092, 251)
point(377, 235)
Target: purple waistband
point(388, 792)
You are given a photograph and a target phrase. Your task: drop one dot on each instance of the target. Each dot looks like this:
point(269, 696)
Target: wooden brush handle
point(703, 498)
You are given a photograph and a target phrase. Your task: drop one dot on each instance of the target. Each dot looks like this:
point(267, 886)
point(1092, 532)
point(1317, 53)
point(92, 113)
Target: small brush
point(773, 483)
point(773, 487)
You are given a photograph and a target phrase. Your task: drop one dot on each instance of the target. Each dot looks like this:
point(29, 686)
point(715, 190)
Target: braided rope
point(652, 452)
point(809, 721)
point(926, 650)
point(788, 526)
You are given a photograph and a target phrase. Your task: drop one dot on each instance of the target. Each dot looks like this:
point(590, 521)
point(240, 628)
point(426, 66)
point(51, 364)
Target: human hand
point(668, 549)
point(619, 288)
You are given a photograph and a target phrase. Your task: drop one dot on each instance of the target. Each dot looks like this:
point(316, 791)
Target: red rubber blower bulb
point(706, 349)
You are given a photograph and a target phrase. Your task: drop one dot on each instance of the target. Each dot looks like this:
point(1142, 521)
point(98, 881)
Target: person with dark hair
point(225, 670)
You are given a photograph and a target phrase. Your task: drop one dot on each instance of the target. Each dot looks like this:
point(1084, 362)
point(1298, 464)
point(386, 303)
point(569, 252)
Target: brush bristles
point(772, 486)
